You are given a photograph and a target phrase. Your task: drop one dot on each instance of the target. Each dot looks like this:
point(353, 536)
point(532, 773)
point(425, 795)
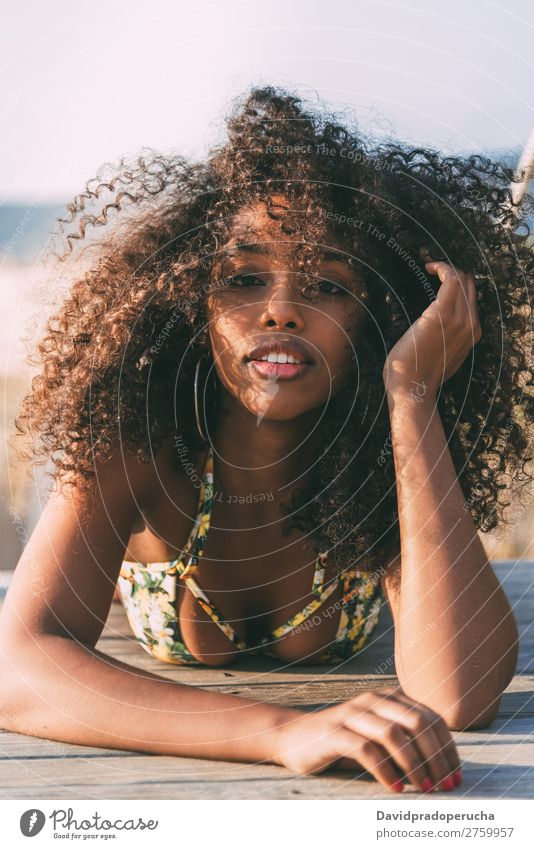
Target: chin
point(282, 411)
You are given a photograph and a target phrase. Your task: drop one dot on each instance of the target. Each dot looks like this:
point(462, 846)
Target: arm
point(62, 690)
point(55, 684)
point(455, 634)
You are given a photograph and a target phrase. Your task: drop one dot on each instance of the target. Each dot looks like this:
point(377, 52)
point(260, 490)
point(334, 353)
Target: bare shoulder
point(124, 475)
point(65, 578)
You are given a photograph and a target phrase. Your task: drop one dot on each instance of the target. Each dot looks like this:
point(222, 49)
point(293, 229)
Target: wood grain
point(497, 762)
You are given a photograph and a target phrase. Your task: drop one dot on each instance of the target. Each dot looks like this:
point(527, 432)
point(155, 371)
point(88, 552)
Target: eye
point(332, 288)
point(243, 280)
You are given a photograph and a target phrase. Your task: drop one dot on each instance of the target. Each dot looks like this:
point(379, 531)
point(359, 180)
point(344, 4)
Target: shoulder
point(126, 476)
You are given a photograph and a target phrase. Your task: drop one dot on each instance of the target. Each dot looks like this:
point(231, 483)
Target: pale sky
point(83, 83)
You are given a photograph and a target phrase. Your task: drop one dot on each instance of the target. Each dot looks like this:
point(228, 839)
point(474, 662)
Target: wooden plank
point(517, 704)
point(497, 762)
point(495, 765)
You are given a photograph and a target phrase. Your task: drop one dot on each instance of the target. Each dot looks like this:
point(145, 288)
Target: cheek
point(226, 330)
point(353, 326)
point(340, 333)
point(340, 350)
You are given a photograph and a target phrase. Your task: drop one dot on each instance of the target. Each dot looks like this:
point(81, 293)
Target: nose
point(282, 308)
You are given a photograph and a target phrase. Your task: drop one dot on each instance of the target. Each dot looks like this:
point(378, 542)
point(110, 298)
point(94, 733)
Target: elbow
point(461, 713)
point(481, 708)
point(476, 708)
point(469, 710)
point(465, 715)
point(15, 693)
point(469, 705)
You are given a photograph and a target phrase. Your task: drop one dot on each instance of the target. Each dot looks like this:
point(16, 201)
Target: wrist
point(417, 390)
point(421, 384)
point(280, 725)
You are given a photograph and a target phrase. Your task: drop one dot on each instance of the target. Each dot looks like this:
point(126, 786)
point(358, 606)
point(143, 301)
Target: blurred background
point(82, 85)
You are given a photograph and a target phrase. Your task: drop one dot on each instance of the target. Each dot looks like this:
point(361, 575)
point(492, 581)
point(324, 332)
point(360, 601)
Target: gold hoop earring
point(196, 400)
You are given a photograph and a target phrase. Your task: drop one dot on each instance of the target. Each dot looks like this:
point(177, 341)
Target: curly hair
point(117, 360)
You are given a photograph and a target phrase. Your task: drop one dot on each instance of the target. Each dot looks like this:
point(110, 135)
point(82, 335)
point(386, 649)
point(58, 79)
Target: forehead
point(258, 225)
point(253, 223)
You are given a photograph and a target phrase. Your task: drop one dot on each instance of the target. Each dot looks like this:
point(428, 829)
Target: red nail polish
point(457, 775)
point(448, 783)
point(398, 786)
point(427, 785)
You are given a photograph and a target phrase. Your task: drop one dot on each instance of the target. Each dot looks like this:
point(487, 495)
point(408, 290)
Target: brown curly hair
point(117, 360)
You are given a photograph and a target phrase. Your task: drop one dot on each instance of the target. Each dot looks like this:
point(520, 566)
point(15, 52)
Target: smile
point(279, 369)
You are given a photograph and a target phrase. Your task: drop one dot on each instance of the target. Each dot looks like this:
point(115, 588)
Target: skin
point(265, 303)
point(455, 635)
point(448, 593)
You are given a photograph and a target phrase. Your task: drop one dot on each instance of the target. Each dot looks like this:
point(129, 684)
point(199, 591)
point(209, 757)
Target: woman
point(317, 348)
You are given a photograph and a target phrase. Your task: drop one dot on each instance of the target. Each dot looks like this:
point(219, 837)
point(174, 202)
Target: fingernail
point(427, 785)
point(448, 783)
point(398, 786)
point(457, 775)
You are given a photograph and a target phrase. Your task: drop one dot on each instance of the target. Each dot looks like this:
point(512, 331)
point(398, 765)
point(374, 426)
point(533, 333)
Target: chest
point(254, 577)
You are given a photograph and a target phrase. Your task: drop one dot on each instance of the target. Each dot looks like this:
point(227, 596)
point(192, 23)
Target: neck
point(270, 457)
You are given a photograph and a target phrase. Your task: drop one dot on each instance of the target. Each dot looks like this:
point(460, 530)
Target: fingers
point(386, 733)
point(442, 731)
point(424, 253)
point(471, 293)
point(452, 279)
point(423, 725)
point(399, 746)
point(452, 293)
point(473, 307)
point(357, 751)
point(432, 754)
point(458, 295)
point(449, 749)
point(457, 292)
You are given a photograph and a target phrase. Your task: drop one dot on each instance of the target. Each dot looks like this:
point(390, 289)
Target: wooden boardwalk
point(496, 762)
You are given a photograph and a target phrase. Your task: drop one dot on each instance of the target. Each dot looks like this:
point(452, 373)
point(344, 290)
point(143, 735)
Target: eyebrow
point(263, 250)
point(246, 249)
point(335, 256)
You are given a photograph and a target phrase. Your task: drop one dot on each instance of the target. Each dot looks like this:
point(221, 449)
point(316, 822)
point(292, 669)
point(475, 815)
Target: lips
point(279, 371)
point(281, 351)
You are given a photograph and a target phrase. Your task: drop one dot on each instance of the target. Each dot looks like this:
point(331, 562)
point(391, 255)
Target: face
point(257, 301)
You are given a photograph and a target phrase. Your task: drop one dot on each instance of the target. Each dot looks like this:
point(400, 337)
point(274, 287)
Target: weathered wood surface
point(497, 762)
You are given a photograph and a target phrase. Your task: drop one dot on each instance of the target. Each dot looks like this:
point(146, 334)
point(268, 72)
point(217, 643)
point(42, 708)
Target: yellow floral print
point(148, 593)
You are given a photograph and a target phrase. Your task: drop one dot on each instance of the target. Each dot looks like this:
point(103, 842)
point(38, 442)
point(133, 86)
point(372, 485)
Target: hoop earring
point(196, 400)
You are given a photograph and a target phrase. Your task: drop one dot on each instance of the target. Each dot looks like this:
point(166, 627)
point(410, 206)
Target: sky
point(83, 83)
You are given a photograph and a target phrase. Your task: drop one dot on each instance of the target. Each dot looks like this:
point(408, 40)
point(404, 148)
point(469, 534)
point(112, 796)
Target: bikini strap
point(213, 613)
point(318, 577)
point(321, 595)
point(197, 538)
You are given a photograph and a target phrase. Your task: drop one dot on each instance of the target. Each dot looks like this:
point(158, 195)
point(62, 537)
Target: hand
point(384, 732)
point(437, 343)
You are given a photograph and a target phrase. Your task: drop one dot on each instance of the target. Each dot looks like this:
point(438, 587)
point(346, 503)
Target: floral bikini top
point(148, 593)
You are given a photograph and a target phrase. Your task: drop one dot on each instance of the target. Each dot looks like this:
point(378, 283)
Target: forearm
point(457, 637)
point(76, 694)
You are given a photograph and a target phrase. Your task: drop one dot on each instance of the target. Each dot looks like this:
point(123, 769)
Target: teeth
point(273, 357)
